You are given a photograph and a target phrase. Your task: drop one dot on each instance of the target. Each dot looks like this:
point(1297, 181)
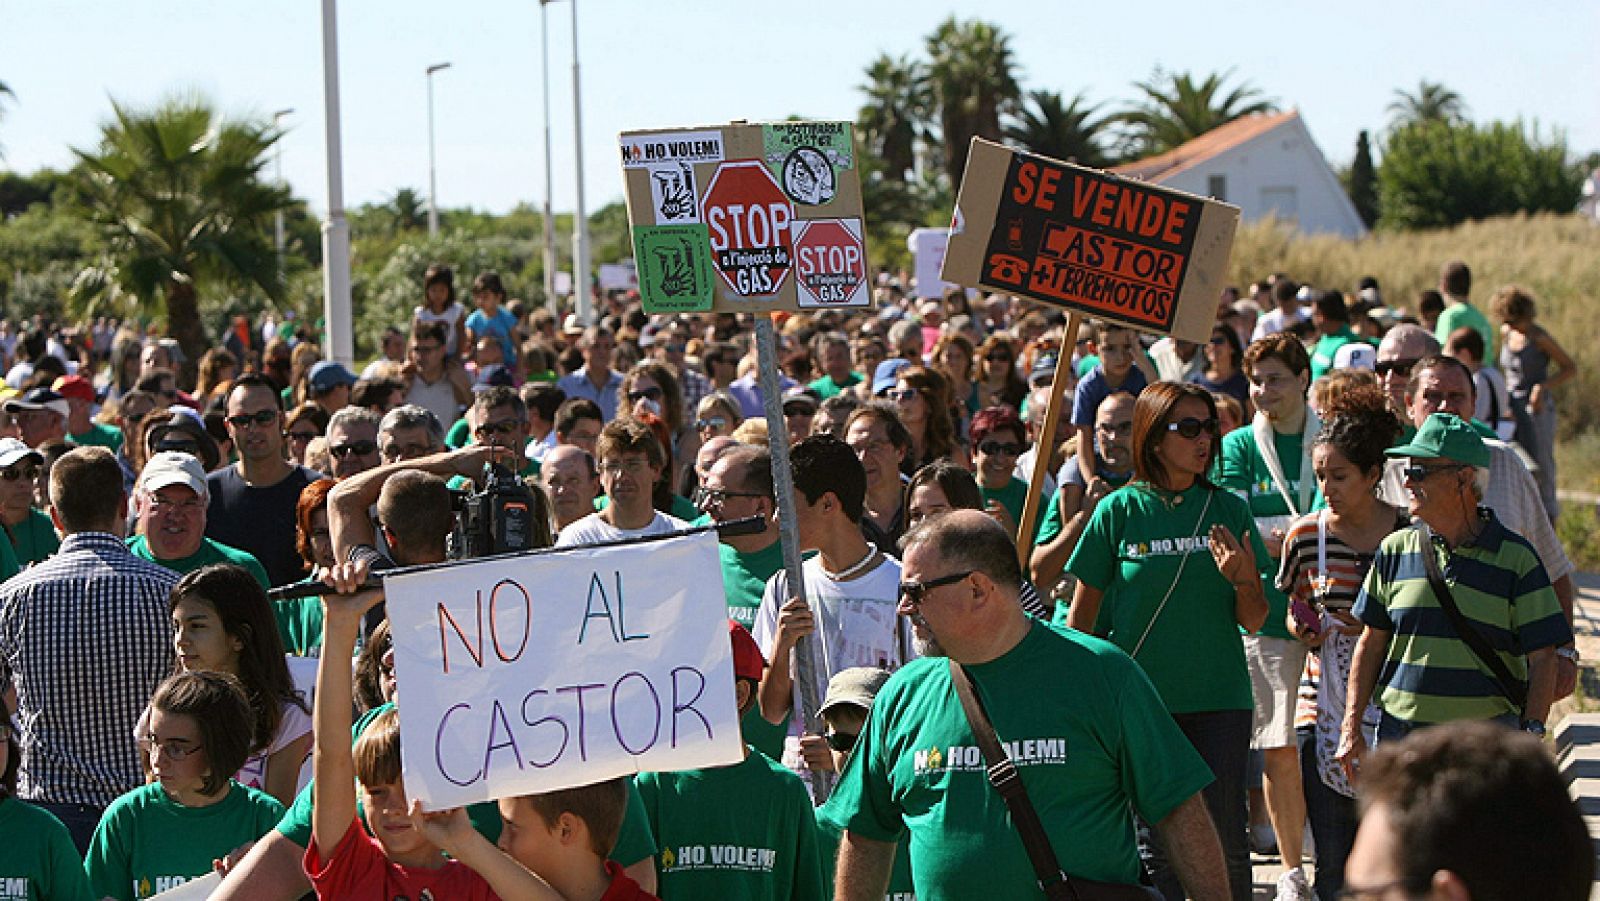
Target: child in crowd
point(222, 622)
point(565, 837)
point(37, 859)
point(439, 305)
point(1119, 369)
point(161, 835)
point(845, 709)
point(743, 831)
point(491, 319)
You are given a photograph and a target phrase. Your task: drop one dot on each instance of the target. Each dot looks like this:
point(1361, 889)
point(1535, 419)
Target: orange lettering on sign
point(1129, 209)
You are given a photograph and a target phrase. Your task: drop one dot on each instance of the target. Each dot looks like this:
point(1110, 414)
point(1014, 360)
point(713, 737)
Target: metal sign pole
point(789, 533)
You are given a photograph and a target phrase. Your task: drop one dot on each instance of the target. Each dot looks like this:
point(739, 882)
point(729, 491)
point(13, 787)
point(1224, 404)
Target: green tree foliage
point(1438, 173)
point(1431, 102)
point(177, 197)
point(1175, 108)
point(893, 120)
point(972, 82)
point(1049, 126)
point(1362, 182)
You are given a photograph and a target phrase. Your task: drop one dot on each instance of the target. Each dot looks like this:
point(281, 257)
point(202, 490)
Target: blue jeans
point(1332, 817)
point(1222, 738)
point(80, 820)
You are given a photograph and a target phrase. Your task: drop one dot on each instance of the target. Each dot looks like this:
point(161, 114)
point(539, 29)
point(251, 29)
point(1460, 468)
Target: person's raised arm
point(454, 833)
point(349, 526)
point(1075, 506)
point(332, 762)
point(1195, 850)
point(863, 870)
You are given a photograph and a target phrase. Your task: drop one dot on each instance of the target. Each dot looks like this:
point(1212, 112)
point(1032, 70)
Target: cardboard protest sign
point(1089, 241)
point(535, 673)
point(721, 215)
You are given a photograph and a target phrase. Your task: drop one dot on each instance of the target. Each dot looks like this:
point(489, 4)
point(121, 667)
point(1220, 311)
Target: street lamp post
point(433, 185)
point(580, 221)
point(335, 231)
point(277, 218)
point(549, 176)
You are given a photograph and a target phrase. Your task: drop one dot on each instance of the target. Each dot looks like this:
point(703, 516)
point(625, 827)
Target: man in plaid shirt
point(85, 638)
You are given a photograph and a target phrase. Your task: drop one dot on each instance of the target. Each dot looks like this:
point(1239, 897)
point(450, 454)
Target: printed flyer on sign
point(746, 218)
point(535, 673)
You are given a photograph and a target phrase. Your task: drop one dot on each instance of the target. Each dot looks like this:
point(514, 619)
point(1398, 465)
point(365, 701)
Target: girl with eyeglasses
point(164, 834)
point(1166, 570)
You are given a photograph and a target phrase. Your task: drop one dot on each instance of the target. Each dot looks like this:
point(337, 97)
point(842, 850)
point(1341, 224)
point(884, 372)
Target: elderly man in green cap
point(1460, 621)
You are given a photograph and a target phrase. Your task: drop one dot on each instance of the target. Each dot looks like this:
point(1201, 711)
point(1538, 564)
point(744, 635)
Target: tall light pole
point(580, 220)
point(277, 218)
point(335, 231)
point(549, 170)
point(433, 185)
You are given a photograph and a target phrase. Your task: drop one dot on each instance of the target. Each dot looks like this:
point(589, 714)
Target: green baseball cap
point(1444, 435)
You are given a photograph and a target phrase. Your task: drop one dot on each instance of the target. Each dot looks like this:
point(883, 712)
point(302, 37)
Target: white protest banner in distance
point(530, 674)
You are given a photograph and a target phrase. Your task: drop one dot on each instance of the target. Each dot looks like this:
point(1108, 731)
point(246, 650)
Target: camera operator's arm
point(348, 522)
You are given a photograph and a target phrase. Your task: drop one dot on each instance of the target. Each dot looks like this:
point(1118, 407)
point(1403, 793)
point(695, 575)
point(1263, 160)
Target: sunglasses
point(799, 410)
point(1398, 367)
point(998, 448)
point(1189, 427)
point(710, 422)
point(651, 393)
point(357, 448)
point(1420, 473)
point(302, 436)
point(260, 417)
point(904, 394)
point(503, 427)
point(191, 448)
point(916, 591)
point(705, 498)
point(28, 473)
point(841, 741)
point(998, 358)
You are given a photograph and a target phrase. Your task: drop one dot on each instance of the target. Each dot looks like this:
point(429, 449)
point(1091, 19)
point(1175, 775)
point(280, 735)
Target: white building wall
point(1281, 172)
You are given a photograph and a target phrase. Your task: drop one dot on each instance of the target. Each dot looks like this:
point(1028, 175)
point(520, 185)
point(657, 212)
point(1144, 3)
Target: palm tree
point(1432, 102)
point(893, 119)
point(178, 197)
point(5, 91)
point(408, 211)
point(972, 80)
point(1176, 109)
point(1048, 126)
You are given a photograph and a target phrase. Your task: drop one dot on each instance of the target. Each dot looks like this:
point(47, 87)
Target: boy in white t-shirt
point(631, 461)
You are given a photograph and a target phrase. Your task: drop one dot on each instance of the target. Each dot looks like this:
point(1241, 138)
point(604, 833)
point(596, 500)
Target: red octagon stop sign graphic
point(830, 264)
point(749, 220)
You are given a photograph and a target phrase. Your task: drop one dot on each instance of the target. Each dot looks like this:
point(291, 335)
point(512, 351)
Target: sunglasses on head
point(27, 473)
point(1189, 427)
point(358, 448)
point(1398, 367)
point(259, 417)
point(993, 448)
point(651, 393)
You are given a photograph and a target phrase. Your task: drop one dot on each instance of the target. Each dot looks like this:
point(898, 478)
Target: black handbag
point(1515, 690)
point(1056, 884)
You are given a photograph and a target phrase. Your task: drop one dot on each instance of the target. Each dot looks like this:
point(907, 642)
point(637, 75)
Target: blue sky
point(669, 63)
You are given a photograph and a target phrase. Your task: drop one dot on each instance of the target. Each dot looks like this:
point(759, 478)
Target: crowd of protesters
point(1324, 529)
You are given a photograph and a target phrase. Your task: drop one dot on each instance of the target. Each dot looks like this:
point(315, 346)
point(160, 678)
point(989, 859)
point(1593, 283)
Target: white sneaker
point(1292, 886)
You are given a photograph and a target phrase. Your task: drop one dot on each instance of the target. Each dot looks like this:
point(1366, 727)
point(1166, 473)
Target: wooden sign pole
point(789, 534)
point(1044, 443)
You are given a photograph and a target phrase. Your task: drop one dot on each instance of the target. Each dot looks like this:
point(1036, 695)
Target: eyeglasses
point(302, 437)
point(916, 591)
point(1189, 427)
point(356, 448)
point(502, 427)
point(841, 741)
point(1398, 367)
point(900, 394)
point(1219, 341)
point(870, 447)
point(160, 504)
point(998, 448)
point(1420, 473)
point(650, 393)
point(710, 422)
point(706, 498)
point(174, 748)
point(631, 467)
point(1113, 428)
point(26, 473)
point(259, 417)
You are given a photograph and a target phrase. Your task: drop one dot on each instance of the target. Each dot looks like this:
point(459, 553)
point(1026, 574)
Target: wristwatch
point(1569, 653)
point(1533, 727)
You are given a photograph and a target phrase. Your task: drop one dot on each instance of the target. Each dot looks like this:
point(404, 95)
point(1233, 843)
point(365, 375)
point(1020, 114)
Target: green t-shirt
point(146, 843)
point(300, 625)
point(459, 435)
point(634, 842)
point(34, 538)
point(744, 578)
point(9, 566)
point(1241, 468)
point(1455, 316)
point(1089, 757)
point(210, 552)
point(1052, 522)
point(826, 387)
point(829, 830)
point(1012, 496)
point(37, 859)
point(743, 832)
point(1132, 549)
point(98, 435)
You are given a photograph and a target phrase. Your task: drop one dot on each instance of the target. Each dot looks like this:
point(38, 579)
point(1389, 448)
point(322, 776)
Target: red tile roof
point(1213, 143)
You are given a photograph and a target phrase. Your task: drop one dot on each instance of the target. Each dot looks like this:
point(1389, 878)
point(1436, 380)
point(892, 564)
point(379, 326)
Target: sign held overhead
point(1088, 241)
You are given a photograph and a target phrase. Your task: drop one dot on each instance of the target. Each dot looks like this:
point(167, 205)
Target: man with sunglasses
point(353, 441)
point(253, 501)
point(1399, 351)
point(1090, 757)
point(1411, 657)
point(171, 505)
point(499, 418)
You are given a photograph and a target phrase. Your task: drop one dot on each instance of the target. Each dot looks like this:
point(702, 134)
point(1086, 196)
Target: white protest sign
point(531, 674)
point(927, 247)
point(197, 889)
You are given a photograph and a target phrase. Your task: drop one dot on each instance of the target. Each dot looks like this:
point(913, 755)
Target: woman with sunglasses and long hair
point(1167, 571)
point(997, 378)
point(922, 397)
point(1224, 369)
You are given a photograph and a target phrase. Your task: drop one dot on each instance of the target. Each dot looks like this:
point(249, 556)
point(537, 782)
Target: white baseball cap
point(173, 468)
point(13, 451)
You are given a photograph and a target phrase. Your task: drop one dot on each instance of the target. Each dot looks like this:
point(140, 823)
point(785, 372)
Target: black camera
point(498, 519)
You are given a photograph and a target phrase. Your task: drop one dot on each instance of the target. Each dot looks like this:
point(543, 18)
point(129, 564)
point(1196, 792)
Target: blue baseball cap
point(887, 374)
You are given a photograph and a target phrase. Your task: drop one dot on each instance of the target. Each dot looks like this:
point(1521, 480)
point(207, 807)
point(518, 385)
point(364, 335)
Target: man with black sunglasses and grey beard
point(353, 441)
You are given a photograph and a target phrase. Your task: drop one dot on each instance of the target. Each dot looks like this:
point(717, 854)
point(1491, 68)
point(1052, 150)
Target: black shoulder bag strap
point(1514, 690)
point(1007, 782)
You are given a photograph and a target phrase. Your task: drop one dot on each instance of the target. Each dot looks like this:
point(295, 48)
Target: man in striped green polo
point(1410, 652)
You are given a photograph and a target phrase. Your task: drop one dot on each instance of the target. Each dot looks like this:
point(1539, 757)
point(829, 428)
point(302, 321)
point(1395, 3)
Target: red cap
point(747, 660)
point(75, 387)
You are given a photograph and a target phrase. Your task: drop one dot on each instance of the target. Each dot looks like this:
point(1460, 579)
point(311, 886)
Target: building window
point(1281, 201)
point(1217, 187)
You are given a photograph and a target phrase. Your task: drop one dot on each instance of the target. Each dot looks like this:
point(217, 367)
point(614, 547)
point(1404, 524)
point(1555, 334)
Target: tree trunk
point(183, 323)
